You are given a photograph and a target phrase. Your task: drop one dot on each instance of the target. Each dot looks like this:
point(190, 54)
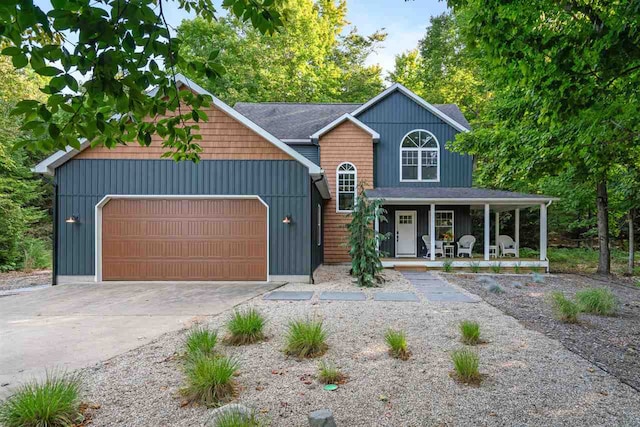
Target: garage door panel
point(171, 239)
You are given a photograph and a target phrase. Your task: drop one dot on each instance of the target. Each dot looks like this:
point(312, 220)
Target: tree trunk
point(632, 250)
point(602, 202)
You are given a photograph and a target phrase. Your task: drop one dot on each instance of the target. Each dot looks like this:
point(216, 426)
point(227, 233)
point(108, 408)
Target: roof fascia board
point(374, 135)
point(503, 200)
point(414, 97)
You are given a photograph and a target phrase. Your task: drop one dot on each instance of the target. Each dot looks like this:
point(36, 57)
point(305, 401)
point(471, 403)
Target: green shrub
point(328, 373)
point(465, 364)
point(447, 266)
point(306, 338)
point(209, 379)
point(475, 267)
point(245, 327)
point(470, 332)
point(494, 288)
point(496, 267)
point(53, 402)
point(237, 419)
point(597, 301)
point(564, 309)
point(397, 343)
point(517, 268)
point(36, 254)
point(201, 340)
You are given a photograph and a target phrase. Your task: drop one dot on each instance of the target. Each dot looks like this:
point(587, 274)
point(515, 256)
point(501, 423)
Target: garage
point(183, 239)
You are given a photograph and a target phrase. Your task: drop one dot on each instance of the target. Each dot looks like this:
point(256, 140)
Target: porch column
point(487, 230)
point(496, 232)
point(376, 227)
point(543, 231)
point(432, 231)
point(517, 233)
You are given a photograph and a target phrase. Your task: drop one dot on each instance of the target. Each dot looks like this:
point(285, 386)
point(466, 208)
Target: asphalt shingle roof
point(449, 193)
point(299, 121)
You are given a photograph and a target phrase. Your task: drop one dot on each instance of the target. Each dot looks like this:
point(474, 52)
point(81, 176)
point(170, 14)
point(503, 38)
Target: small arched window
point(347, 184)
point(419, 157)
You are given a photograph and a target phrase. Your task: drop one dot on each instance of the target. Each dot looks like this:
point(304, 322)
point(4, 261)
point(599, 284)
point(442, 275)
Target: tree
point(564, 76)
point(364, 240)
point(313, 59)
point(120, 48)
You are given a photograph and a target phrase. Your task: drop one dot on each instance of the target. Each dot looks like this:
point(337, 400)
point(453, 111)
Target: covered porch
point(419, 219)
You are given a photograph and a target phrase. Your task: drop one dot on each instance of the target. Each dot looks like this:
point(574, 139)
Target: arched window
point(419, 157)
point(347, 185)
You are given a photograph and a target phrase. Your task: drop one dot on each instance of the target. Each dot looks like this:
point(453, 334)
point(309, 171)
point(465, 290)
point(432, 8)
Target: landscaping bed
point(527, 378)
point(19, 279)
point(612, 343)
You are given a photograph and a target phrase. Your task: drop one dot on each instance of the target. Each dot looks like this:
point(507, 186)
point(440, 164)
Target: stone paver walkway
point(288, 296)
point(436, 289)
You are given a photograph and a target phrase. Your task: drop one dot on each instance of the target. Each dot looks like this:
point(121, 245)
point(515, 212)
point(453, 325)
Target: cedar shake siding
point(345, 143)
point(223, 138)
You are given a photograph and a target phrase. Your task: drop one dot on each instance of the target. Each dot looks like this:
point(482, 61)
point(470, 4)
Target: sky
point(404, 21)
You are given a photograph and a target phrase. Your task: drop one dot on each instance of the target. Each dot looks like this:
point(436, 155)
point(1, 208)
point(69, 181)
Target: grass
point(447, 266)
point(209, 379)
point(599, 301)
point(36, 254)
point(237, 419)
point(245, 327)
point(475, 267)
point(397, 343)
point(580, 260)
point(565, 309)
point(496, 267)
point(201, 340)
point(53, 402)
point(470, 332)
point(306, 338)
point(494, 288)
point(517, 268)
point(328, 373)
point(465, 365)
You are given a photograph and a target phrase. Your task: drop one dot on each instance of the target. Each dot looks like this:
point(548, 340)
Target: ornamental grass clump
point(470, 332)
point(600, 301)
point(447, 266)
point(236, 418)
point(54, 402)
point(201, 340)
point(564, 309)
point(306, 338)
point(465, 364)
point(245, 327)
point(328, 373)
point(209, 379)
point(397, 343)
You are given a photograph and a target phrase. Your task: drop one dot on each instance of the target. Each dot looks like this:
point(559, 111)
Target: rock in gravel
point(537, 278)
point(236, 408)
point(322, 418)
point(516, 285)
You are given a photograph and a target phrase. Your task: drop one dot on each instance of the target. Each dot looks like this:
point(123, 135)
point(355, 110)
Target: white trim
point(374, 135)
point(543, 231)
point(479, 201)
point(355, 186)
point(487, 226)
point(453, 221)
point(414, 220)
point(419, 151)
point(48, 165)
point(517, 232)
point(319, 223)
point(105, 199)
point(413, 96)
point(296, 141)
point(291, 279)
point(432, 231)
point(464, 263)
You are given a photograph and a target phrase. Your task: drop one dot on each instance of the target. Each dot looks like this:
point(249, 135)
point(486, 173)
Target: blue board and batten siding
point(394, 117)
point(310, 151)
point(282, 184)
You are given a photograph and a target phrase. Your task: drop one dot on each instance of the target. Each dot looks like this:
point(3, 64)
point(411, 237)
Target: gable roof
point(346, 117)
point(48, 165)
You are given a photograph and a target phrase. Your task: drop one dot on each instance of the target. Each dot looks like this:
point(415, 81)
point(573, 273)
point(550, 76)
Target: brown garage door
point(174, 239)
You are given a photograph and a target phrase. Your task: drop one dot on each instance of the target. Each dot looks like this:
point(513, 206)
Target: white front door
point(406, 233)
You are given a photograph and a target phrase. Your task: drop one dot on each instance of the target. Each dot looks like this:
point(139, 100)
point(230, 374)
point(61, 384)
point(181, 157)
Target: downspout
point(54, 251)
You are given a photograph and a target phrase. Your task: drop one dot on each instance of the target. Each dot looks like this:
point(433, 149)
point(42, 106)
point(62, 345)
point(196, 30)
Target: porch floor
point(466, 263)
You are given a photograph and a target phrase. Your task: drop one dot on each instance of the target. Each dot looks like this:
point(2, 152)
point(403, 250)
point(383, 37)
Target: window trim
point(453, 222)
point(319, 223)
point(355, 186)
point(419, 151)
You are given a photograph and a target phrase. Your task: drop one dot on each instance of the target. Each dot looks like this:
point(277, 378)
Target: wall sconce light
point(287, 219)
point(73, 219)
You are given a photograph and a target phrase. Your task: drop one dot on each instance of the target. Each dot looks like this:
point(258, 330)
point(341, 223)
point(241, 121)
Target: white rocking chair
point(465, 245)
point(439, 246)
point(507, 246)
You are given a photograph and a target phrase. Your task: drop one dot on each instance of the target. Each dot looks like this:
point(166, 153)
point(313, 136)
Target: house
point(271, 196)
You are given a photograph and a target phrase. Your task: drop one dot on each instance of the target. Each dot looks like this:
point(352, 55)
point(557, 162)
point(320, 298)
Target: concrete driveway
point(72, 326)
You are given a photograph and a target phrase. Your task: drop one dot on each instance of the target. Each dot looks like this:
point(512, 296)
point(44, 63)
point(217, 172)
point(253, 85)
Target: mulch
point(611, 343)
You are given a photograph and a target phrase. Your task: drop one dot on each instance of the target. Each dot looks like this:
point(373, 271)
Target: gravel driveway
point(530, 379)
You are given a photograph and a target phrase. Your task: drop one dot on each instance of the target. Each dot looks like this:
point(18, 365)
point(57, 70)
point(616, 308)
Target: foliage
point(201, 340)
point(475, 267)
point(578, 260)
point(494, 288)
point(599, 301)
point(209, 379)
point(329, 373)
point(397, 343)
point(496, 267)
point(235, 418)
point(54, 402)
point(36, 254)
point(447, 265)
point(245, 327)
point(564, 309)
point(315, 58)
point(364, 240)
point(466, 364)
point(470, 332)
point(306, 338)
point(517, 268)
point(119, 48)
